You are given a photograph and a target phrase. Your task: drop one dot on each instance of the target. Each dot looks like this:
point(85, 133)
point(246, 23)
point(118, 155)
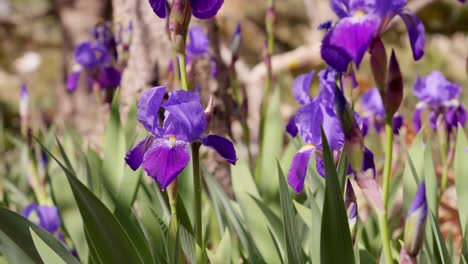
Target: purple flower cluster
point(441, 98)
point(164, 153)
point(98, 59)
point(359, 23)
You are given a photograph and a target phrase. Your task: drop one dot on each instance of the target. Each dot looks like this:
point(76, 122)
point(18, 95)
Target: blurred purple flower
point(201, 9)
point(165, 152)
point(47, 215)
point(440, 97)
point(359, 23)
point(372, 104)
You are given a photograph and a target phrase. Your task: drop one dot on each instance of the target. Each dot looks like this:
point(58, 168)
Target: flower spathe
point(203, 9)
point(361, 21)
point(164, 153)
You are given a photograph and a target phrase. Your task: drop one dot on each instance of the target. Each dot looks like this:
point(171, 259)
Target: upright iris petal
point(301, 87)
point(434, 89)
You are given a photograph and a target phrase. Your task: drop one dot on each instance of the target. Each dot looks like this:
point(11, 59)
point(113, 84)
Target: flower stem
point(197, 188)
point(382, 215)
point(385, 234)
point(183, 71)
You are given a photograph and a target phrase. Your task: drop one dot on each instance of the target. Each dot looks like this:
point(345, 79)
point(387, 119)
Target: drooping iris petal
point(301, 87)
point(109, 77)
point(159, 7)
point(148, 107)
point(371, 102)
point(455, 115)
point(349, 40)
point(134, 157)
point(198, 43)
point(416, 33)
point(397, 123)
point(291, 127)
point(185, 117)
point(47, 215)
point(72, 80)
point(417, 116)
point(223, 146)
point(298, 169)
point(165, 159)
point(205, 9)
point(434, 89)
point(433, 116)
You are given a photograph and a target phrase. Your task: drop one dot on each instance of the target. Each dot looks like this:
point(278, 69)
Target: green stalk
point(385, 234)
point(382, 215)
point(183, 71)
point(176, 67)
point(197, 188)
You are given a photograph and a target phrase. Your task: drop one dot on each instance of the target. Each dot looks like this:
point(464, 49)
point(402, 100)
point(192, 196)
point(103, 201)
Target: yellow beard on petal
point(307, 147)
point(359, 13)
point(172, 141)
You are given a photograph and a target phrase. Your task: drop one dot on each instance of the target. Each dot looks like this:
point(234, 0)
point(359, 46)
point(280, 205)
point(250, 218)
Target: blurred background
point(37, 38)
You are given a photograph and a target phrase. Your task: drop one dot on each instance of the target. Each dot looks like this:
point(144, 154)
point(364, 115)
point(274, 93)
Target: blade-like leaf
point(291, 235)
point(430, 179)
point(414, 167)
point(335, 233)
point(47, 254)
point(461, 180)
point(439, 245)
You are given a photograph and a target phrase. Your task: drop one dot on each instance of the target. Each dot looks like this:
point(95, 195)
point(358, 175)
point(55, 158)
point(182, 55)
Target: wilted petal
point(198, 43)
point(298, 169)
point(205, 9)
point(223, 146)
point(301, 87)
point(165, 159)
point(416, 33)
point(148, 108)
point(349, 40)
point(159, 7)
point(134, 157)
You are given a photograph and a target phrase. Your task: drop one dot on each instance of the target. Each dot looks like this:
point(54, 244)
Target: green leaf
point(335, 233)
point(93, 170)
point(430, 179)
point(291, 235)
point(131, 125)
point(342, 170)
point(17, 243)
point(271, 150)
point(461, 180)
point(439, 246)
point(365, 257)
point(415, 164)
point(223, 251)
point(48, 255)
point(106, 234)
point(186, 231)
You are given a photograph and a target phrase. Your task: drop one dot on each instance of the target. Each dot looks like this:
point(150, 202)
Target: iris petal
point(416, 33)
point(223, 146)
point(165, 160)
point(148, 108)
point(298, 169)
point(72, 80)
point(159, 7)
point(205, 9)
point(134, 157)
point(301, 86)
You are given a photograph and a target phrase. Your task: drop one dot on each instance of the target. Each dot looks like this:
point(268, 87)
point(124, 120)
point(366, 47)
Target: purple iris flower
point(197, 48)
point(201, 9)
point(372, 104)
point(93, 59)
point(361, 21)
point(165, 152)
point(47, 215)
point(440, 97)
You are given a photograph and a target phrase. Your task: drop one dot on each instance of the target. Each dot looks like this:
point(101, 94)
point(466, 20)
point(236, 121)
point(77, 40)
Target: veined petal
point(148, 108)
point(301, 87)
point(159, 7)
point(416, 33)
point(134, 157)
point(349, 40)
point(223, 146)
point(298, 169)
point(205, 9)
point(165, 159)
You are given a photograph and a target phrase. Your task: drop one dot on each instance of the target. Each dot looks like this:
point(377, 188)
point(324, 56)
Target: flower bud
point(179, 19)
point(415, 222)
point(24, 109)
point(236, 43)
point(394, 88)
point(378, 62)
point(354, 142)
